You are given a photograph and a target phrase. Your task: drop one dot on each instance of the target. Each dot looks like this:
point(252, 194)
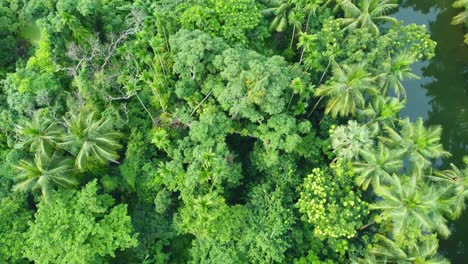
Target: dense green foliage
point(214, 131)
point(462, 17)
point(78, 227)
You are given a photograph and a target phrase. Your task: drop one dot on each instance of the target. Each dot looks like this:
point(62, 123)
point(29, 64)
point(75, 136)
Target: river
point(441, 95)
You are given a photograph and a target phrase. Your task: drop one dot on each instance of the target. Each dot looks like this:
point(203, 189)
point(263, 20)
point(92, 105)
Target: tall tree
point(425, 252)
point(376, 166)
point(282, 13)
point(420, 143)
point(457, 180)
point(394, 70)
point(15, 217)
point(8, 30)
point(462, 17)
point(383, 110)
point(407, 203)
point(41, 135)
point(346, 90)
point(348, 141)
point(367, 13)
point(332, 206)
point(90, 139)
point(79, 227)
point(286, 13)
point(44, 172)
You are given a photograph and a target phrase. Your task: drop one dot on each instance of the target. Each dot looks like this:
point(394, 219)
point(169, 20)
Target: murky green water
point(441, 95)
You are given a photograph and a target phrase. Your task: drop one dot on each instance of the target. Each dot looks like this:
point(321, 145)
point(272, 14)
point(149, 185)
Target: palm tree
point(281, 12)
point(406, 204)
point(347, 141)
point(40, 135)
point(285, 13)
point(200, 214)
point(366, 259)
point(421, 143)
point(296, 19)
point(457, 180)
point(91, 139)
point(43, 172)
point(382, 109)
point(366, 14)
point(462, 17)
point(310, 7)
point(425, 252)
point(377, 166)
point(306, 42)
point(394, 70)
point(346, 89)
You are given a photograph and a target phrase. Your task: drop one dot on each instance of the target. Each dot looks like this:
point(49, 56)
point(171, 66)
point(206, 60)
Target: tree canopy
point(214, 131)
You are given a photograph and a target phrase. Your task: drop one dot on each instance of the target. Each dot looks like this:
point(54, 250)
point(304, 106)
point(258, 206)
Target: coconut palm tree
point(285, 13)
point(44, 172)
point(282, 11)
point(425, 252)
point(40, 135)
point(376, 166)
point(407, 202)
point(394, 70)
point(366, 14)
point(366, 259)
point(91, 139)
point(346, 89)
point(462, 17)
point(457, 180)
point(383, 110)
point(420, 143)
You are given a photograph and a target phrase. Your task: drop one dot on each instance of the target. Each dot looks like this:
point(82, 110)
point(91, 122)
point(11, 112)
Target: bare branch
point(204, 99)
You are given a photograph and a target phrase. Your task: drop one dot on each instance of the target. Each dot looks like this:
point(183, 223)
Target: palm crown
point(395, 70)
point(43, 172)
point(462, 17)
point(346, 89)
point(91, 139)
point(347, 141)
point(283, 13)
point(40, 135)
point(387, 251)
point(406, 203)
point(376, 166)
point(457, 180)
point(420, 143)
point(383, 110)
point(366, 14)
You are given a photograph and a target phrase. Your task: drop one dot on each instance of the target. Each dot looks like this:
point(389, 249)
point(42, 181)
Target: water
point(441, 95)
